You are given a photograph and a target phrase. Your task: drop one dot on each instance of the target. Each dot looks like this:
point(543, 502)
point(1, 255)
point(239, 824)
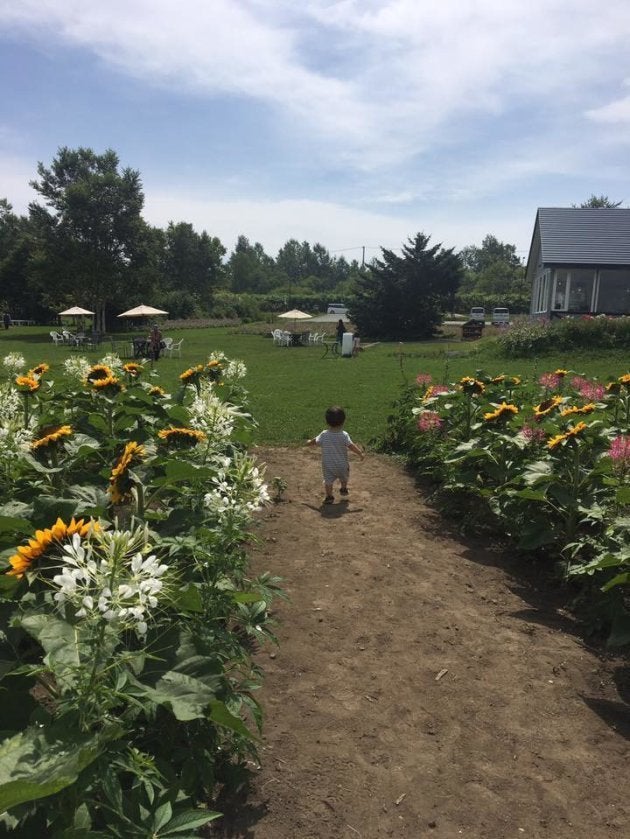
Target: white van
point(500, 316)
point(337, 309)
point(478, 313)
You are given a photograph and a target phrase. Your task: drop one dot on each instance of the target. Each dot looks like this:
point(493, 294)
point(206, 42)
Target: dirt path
point(420, 689)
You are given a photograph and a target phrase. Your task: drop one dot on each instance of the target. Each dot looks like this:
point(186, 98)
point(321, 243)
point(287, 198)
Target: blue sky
point(351, 123)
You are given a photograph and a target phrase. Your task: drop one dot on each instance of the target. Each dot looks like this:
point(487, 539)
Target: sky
point(353, 123)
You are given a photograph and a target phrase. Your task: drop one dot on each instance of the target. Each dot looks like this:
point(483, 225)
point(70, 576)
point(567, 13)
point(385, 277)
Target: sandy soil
point(423, 686)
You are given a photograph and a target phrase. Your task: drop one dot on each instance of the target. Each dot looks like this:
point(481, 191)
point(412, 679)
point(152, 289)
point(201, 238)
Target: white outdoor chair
point(57, 337)
point(68, 337)
point(285, 339)
point(276, 334)
point(168, 343)
point(175, 348)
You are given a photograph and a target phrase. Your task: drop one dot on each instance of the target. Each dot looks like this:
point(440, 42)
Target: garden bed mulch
point(423, 686)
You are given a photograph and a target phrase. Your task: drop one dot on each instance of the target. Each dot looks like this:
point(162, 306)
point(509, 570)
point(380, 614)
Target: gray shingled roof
point(584, 236)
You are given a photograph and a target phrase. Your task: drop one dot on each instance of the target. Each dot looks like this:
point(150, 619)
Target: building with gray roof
point(579, 262)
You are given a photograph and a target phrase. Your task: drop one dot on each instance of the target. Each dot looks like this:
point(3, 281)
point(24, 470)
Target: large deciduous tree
point(193, 261)
point(493, 268)
point(91, 235)
point(404, 297)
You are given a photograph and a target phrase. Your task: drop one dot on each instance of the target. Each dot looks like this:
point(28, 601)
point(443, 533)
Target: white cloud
point(614, 112)
point(378, 81)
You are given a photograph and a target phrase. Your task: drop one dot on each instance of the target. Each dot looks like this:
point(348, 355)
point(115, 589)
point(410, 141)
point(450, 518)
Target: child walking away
point(334, 443)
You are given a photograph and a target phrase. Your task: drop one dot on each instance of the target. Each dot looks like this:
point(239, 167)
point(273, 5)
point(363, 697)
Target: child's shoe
point(344, 491)
point(330, 499)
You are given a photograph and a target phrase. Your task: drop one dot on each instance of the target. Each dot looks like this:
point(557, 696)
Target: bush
point(536, 337)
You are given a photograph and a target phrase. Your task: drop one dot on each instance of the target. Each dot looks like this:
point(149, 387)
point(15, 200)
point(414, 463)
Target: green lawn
point(291, 387)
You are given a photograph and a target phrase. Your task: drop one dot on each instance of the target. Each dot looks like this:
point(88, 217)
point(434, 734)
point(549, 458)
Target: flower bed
point(545, 463)
point(127, 614)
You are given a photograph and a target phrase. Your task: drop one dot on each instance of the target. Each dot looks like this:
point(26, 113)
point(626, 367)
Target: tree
point(404, 297)
point(192, 261)
point(91, 236)
point(597, 202)
point(493, 268)
point(250, 268)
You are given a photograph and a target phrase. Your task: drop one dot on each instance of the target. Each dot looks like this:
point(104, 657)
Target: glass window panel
point(581, 290)
point(614, 292)
point(560, 290)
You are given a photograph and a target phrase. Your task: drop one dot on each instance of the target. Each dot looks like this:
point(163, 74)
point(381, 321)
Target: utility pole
point(363, 258)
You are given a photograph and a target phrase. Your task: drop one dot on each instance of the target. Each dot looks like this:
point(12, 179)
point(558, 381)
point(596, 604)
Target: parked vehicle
point(478, 313)
point(500, 316)
point(337, 309)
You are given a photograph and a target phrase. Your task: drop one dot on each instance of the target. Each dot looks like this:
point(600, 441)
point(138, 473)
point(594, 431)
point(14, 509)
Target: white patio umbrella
point(76, 310)
point(142, 312)
point(78, 313)
point(294, 314)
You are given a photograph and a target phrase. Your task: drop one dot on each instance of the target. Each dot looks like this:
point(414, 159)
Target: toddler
point(334, 443)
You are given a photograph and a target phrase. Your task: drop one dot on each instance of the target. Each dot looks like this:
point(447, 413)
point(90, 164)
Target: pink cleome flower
point(435, 390)
point(424, 379)
point(619, 451)
point(533, 434)
point(550, 380)
point(430, 421)
point(591, 391)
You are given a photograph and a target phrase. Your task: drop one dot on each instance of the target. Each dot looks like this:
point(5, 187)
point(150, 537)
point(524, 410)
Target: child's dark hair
point(335, 416)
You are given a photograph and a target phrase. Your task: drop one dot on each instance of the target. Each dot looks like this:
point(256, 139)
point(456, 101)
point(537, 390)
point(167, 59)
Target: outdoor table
point(140, 348)
point(331, 347)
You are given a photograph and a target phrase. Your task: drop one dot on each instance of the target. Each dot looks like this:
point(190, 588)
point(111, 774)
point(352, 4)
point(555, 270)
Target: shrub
point(536, 337)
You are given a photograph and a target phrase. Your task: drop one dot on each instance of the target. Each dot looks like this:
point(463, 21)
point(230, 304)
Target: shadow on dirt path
point(416, 691)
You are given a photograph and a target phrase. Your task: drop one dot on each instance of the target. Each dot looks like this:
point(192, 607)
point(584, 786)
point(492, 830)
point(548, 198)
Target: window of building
point(573, 290)
point(614, 291)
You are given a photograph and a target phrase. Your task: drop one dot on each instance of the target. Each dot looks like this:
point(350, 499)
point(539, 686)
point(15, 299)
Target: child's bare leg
point(328, 489)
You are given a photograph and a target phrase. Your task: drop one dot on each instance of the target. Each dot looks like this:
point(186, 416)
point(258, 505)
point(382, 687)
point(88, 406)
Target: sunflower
point(99, 371)
point(192, 374)
point(554, 442)
point(613, 387)
point(181, 438)
point(625, 379)
point(27, 384)
point(214, 369)
point(119, 481)
point(470, 385)
point(560, 372)
point(133, 369)
point(513, 381)
point(585, 409)
point(156, 390)
point(39, 370)
point(503, 412)
point(109, 385)
point(53, 436)
point(497, 380)
point(546, 407)
point(43, 539)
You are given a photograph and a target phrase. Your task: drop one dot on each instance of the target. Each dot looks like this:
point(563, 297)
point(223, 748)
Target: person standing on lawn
point(155, 342)
point(340, 331)
point(335, 443)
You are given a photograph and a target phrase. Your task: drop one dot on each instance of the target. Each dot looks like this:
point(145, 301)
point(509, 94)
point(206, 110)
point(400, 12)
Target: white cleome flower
point(121, 589)
point(77, 367)
point(13, 363)
point(238, 491)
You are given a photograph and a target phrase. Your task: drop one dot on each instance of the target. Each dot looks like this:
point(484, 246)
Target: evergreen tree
point(404, 297)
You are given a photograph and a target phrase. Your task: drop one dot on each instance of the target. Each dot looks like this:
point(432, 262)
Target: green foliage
point(127, 618)
point(537, 337)
point(403, 297)
point(545, 463)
